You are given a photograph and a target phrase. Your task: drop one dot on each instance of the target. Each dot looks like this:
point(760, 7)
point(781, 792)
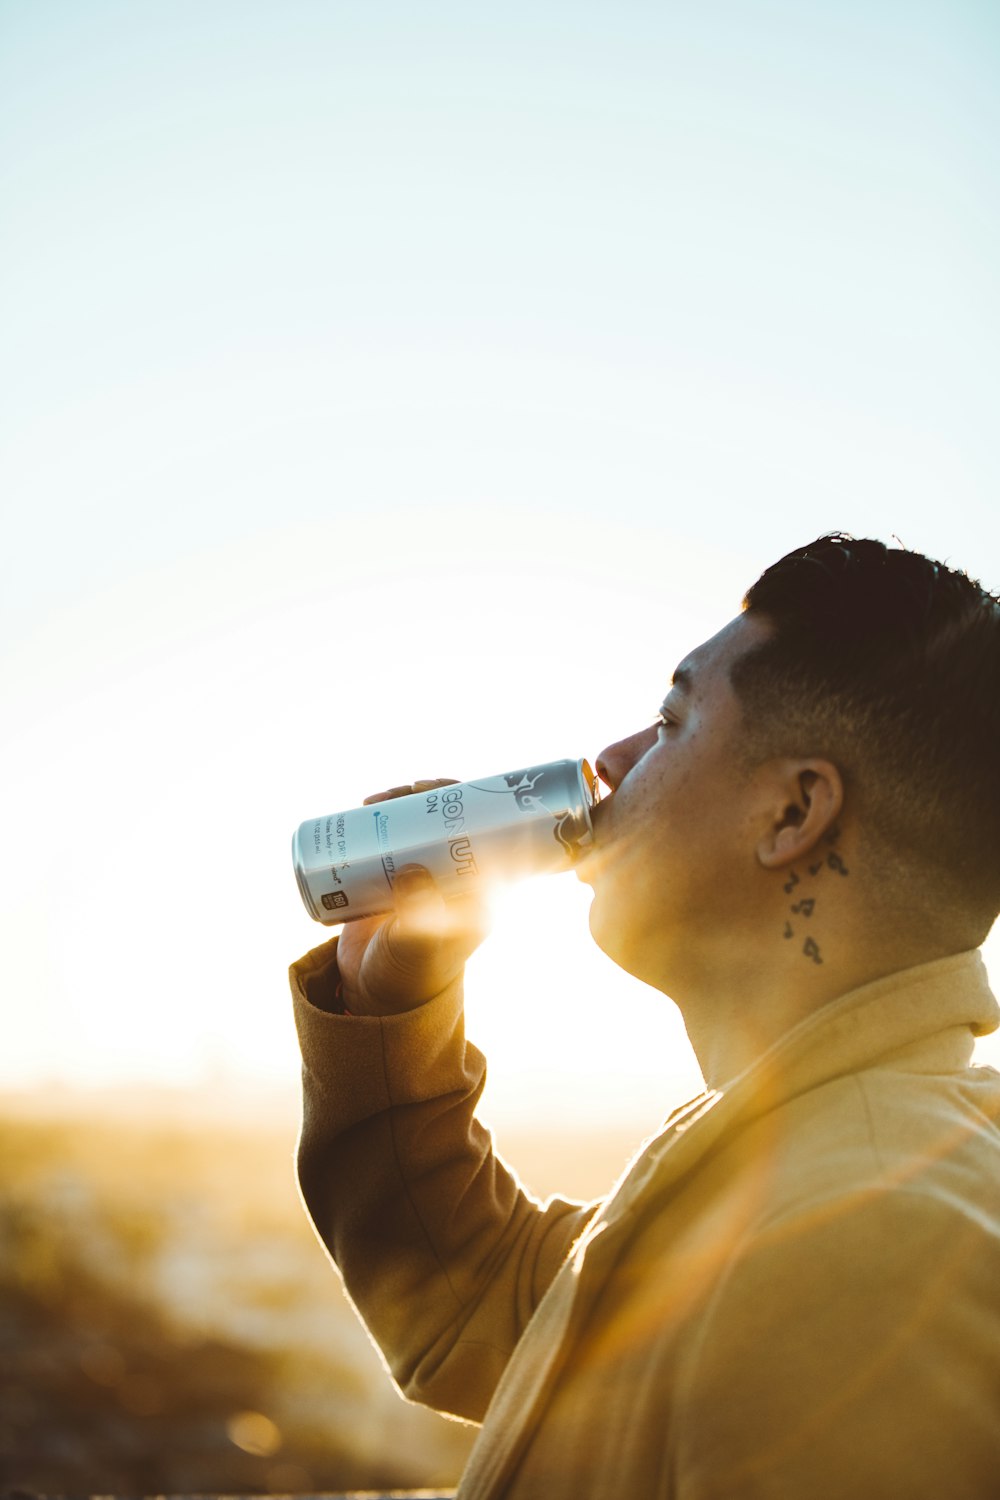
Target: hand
point(394, 963)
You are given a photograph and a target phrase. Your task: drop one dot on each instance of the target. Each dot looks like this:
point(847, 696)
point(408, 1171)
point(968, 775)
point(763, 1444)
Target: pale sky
point(392, 390)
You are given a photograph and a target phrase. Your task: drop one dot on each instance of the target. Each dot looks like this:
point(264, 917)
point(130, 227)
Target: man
point(795, 1290)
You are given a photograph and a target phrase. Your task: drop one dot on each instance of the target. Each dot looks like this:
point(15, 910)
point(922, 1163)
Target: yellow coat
point(794, 1290)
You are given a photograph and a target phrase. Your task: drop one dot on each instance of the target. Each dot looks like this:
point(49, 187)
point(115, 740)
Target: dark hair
point(888, 664)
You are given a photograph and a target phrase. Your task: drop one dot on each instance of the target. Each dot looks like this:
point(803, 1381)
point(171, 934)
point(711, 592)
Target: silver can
point(527, 822)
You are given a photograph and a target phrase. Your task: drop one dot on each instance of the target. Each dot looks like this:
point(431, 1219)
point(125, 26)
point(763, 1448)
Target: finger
point(387, 796)
point(407, 791)
point(430, 938)
point(421, 910)
point(436, 939)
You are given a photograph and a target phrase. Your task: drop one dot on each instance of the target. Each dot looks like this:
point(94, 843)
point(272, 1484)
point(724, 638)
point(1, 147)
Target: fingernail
point(412, 880)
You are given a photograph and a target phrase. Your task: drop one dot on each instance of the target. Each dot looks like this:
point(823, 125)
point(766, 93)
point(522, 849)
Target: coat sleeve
point(443, 1253)
point(850, 1349)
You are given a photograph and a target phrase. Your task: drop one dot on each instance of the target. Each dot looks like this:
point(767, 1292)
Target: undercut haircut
point(888, 664)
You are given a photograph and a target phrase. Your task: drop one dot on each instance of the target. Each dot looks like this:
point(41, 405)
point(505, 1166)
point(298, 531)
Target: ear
point(807, 799)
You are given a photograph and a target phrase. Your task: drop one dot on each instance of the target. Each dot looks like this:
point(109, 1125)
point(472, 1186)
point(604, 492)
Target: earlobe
point(806, 816)
point(786, 841)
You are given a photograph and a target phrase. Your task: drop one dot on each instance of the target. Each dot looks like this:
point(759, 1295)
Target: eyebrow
point(682, 680)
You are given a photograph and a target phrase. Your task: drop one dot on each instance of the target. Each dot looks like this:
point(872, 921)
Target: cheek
point(645, 814)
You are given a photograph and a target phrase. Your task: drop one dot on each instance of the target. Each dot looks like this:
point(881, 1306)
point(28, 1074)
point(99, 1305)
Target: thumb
point(424, 946)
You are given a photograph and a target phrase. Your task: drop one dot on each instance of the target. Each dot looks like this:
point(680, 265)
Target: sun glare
point(564, 1029)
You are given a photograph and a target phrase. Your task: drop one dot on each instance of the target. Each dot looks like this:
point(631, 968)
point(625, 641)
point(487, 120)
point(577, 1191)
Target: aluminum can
point(519, 823)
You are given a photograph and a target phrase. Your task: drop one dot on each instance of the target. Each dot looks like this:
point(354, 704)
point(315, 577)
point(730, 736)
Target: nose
point(615, 762)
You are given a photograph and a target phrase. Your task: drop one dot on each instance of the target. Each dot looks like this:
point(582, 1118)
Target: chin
point(608, 930)
point(618, 939)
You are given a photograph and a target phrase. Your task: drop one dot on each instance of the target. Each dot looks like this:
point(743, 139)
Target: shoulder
point(865, 1132)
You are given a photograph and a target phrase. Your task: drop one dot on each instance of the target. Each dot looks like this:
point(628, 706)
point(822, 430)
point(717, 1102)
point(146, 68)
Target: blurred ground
point(169, 1324)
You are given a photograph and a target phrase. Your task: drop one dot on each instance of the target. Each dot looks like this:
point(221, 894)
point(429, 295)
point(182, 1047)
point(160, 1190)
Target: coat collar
point(923, 1019)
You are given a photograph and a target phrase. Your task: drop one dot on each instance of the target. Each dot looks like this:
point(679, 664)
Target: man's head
point(888, 665)
point(848, 718)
